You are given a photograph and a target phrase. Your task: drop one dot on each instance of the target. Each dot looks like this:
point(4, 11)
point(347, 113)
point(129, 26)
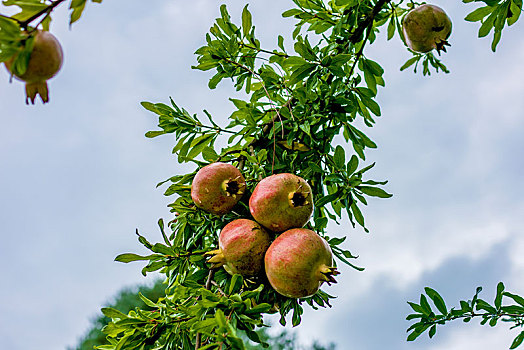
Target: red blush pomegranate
point(217, 187)
point(298, 262)
point(243, 244)
point(281, 201)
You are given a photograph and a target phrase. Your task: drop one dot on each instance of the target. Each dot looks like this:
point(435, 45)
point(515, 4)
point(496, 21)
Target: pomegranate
point(243, 244)
point(281, 201)
point(217, 187)
point(45, 61)
point(426, 27)
point(298, 262)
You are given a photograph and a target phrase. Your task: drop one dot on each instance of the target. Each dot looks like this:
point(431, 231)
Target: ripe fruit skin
point(298, 262)
point(281, 201)
point(217, 187)
point(243, 244)
point(45, 62)
point(425, 28)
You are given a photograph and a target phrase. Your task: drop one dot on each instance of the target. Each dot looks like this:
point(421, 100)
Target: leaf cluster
point(297, 102)
point(428, 318)
point(493, 16)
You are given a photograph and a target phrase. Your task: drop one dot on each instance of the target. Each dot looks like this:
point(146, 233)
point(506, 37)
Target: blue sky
point(78, 176)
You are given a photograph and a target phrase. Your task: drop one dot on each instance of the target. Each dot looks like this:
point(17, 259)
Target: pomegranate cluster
point(298, 261)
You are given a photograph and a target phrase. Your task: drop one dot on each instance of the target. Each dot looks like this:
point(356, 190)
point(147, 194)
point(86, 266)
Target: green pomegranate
point(298, 262)
point(243, 244)
point(281, 201)
point(45, 62)
point(217, 187)
point(426, 27)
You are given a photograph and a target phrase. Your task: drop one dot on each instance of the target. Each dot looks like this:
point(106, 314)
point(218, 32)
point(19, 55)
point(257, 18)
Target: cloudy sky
point(77, 176)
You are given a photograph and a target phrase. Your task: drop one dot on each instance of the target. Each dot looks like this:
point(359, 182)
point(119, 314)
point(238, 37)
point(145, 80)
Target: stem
point(216, 128)
point(265, 51)
point(209, 280)
point(368, 21)
point(48, 9)
point(472, 314)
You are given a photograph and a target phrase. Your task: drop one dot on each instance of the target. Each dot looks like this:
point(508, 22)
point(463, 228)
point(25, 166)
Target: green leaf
point(246, 21)
point(220, 318)
point(352, 165)
point(479, 14)
point(416, 307)
point(483, 305)
point(326, 199)
point(517, 298)
point(339, 157)
point(9, 28)
point(498, 296)
point(437, 300)
point(417, 332)
point(487, 25)
point(432, 330)
point(291, 13)
point(128, 257)
point(147, 301)
point(517, 341)
point(113, 313)
point(236, 284)
point(358, 215)
point(78, 8)
point(162, 249)
point(391, 28)
point(426, 308)
point(198, 145)
point(374, 191)
point(409, 62)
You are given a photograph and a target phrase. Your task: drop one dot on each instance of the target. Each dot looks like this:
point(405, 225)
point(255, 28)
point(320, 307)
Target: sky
point(77, 176)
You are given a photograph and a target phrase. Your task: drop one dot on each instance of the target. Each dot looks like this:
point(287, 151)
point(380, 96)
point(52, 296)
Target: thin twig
point(265, 51)
point(368, 21)
point(24, 24)
point(219, 289)
point(209, 280)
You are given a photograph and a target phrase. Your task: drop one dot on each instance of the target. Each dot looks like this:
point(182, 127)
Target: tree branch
point(355, 37)
point(48, 9)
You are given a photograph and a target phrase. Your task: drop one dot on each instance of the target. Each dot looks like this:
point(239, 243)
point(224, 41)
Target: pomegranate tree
point(217, 187)
point(298, 262)
point(242, 245)
point(281, 201)
point(44, 63)
point(426, 27)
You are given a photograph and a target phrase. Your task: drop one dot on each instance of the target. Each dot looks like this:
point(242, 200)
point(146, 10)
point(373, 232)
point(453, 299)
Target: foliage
point(17, 31)
point(428, 318)
point(129, 299)
point(305, 101)
point(126, 300)
point(299, 102)
point(494, 16)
